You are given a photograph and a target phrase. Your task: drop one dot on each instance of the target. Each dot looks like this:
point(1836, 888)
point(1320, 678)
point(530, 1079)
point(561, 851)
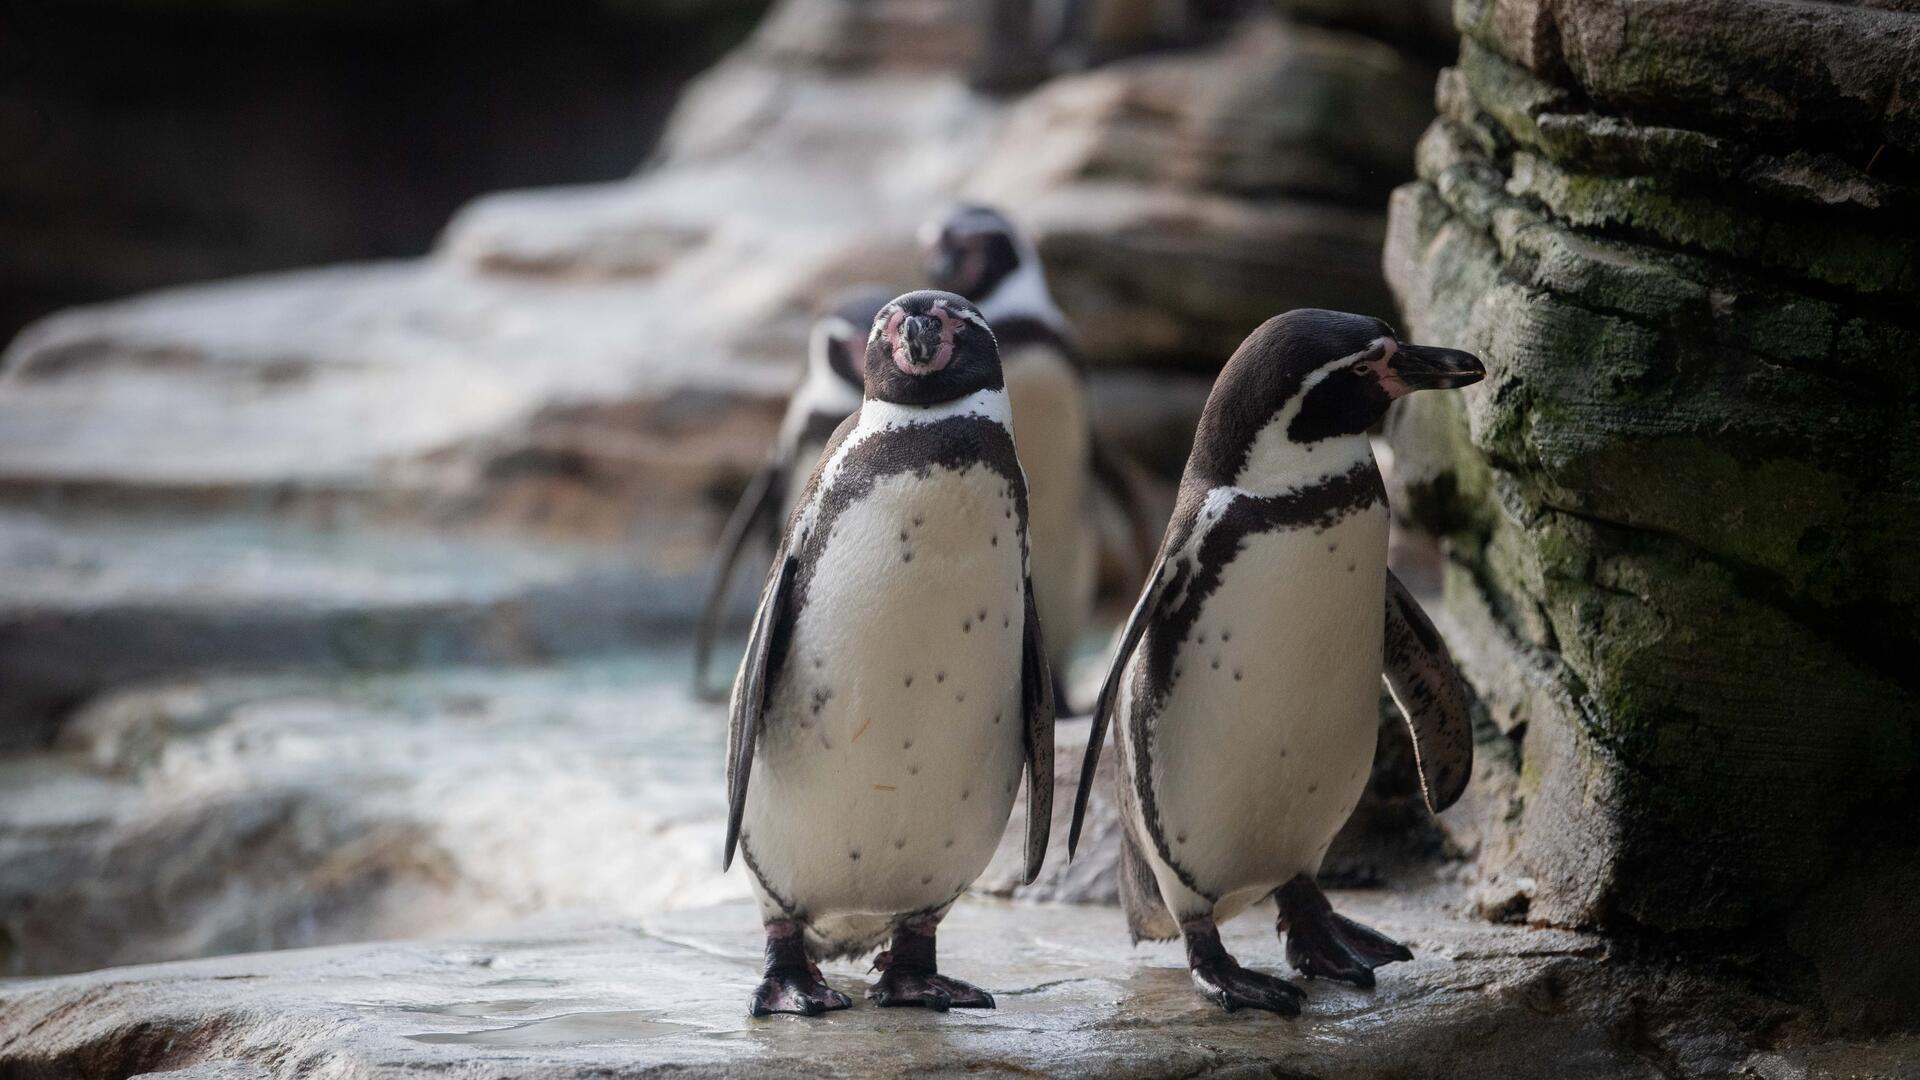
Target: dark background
point(149, 143)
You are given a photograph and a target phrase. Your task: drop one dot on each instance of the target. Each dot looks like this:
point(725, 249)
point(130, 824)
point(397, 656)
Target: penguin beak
point(1429, 367)
point(922, 337)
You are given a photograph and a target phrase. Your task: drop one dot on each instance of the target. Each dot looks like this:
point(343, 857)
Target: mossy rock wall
point(1681, 511)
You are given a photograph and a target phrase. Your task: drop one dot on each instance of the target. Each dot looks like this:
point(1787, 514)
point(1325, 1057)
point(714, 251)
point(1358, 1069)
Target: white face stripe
point(1276, 463)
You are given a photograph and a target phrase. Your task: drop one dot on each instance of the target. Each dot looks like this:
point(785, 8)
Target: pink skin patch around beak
point(1376, 365)
point(897, 348)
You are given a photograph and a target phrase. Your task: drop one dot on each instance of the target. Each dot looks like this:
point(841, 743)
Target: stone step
point(96, 601)
point(668, 994)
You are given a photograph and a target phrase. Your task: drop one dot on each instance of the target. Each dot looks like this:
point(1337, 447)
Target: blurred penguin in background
point(828, 393)
point(975, 251)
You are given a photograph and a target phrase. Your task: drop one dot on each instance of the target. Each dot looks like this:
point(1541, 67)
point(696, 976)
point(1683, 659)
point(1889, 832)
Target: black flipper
point(752, 690)
point(1428, 688)
point(1158, 580)
point(757, 511)
point(1037, 702)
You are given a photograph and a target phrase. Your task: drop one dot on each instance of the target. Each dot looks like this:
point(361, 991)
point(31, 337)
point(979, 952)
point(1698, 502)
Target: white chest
point(894, 742)
point(1263, 741)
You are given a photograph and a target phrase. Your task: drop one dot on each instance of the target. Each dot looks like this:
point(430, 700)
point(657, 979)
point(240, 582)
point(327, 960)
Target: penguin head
point(928, 347)
point(972, 250)
point(1318, 375)
point(837, 349)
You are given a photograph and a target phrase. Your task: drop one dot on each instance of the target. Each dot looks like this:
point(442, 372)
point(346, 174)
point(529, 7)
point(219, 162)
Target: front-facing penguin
point(895, 682)
point(1245, 685)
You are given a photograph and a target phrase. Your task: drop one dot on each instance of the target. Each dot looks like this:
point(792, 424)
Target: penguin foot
point(793, 983)
point(1221, 979)
point(1233, 987)
point(898, 987)
point(1325, 945)
point(803, 992)
point(910, 976)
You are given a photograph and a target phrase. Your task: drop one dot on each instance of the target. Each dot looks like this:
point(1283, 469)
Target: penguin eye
point(1359, 367)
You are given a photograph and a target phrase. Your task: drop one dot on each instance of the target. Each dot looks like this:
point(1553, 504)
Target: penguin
point(828, 393)
point(1244, 686)
point(895, 683)
point(977, 252)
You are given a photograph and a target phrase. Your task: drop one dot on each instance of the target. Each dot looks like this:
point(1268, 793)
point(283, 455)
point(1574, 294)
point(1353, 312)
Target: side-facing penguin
point(895, 682)
point(976, 252)
point(1245, 685)
point(828, 393)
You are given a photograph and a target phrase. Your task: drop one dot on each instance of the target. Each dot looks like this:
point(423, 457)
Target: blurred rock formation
point(1684, 238)
point(248, 525)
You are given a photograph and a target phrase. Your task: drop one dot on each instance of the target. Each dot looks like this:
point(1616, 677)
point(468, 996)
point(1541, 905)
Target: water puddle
point(576, 1027)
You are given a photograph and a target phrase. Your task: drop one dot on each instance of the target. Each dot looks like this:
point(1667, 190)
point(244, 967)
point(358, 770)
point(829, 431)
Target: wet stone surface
point(669, 993)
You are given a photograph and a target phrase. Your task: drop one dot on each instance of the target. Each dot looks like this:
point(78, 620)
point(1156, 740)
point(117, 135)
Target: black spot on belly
point(899, 844)
point(959, 695)
point(1313, 788)
point(908, 557)
point(1236, 674)
point(966, 626)
point(1216, 663)
point(939, 676)
point(913, 770)
point(928, 880)
point(996, 717)
point(854, 855)
point(996, 539)
point(964, 792)
point(949, 842)
point(909, 680)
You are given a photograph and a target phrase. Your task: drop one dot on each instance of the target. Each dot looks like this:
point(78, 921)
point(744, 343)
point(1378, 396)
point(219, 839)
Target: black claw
point(1322, 944)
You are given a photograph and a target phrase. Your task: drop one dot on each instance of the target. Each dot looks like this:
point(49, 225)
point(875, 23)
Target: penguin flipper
point(1036, 685)
point(1432, 696)
point(1110, 471)
point(752, 690)
point(757, 505)
point(1143, 612)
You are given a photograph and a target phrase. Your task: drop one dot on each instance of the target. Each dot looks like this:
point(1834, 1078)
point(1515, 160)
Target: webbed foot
point(792, 983)
point(1323, 944)
point(1221, 979)
point(898, 987)
point(803, 992)
point(909, 975)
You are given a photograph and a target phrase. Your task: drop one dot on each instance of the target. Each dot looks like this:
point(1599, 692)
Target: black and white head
point(1310, 376)
point(838, 346)
point(928, 347)
point(974, 250)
